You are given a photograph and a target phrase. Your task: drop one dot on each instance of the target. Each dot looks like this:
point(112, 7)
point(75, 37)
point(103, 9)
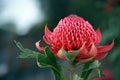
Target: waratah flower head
point(74, 33)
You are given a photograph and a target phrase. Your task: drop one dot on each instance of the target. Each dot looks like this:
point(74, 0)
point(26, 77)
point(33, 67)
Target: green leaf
point(26, 53)
point(95, 64)
point(89, 67)
point(70, 57)
point(43, 61)
point(85, 73)
point(58, 75)
point(48, 60)
point(19, 45)
point(81, 79)
point(50, 54)
point(100, 72)
point(76, 77)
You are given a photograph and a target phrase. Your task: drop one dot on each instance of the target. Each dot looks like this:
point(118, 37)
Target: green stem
point(71, 73)
point(72, 68)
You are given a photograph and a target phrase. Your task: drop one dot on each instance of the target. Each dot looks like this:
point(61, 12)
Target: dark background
point(104, 14)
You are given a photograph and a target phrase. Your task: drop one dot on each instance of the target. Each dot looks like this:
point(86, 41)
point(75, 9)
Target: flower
point(74, 33)
point(108, 75)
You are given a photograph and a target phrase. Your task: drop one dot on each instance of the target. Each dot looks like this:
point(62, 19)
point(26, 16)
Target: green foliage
point(70, 57)
point(94, 64)
point(46, 60)
point(89, 67)
point(76, 77)
point(100, 72)
point(26, 53)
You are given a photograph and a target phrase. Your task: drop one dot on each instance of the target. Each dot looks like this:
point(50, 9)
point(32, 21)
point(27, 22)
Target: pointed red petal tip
point(99, 36)
point(83, 49)
point(41, 49)
point(90, 55)
point(46, 40)
point(102, 51)
point(60, 55)
point(83, 52)
point(93, 51)
point(47, 31)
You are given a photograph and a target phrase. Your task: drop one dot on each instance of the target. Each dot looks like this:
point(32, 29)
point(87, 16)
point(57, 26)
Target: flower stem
point(71, 70)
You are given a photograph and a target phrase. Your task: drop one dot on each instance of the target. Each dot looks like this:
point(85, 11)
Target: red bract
point(74, 33)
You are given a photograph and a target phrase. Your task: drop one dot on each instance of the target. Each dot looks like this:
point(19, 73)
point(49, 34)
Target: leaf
point(26, 53)
point(48, 60)
point(100, 72)
point(70, 57)
point(50, 54)
point(58, 76)
point(43, 61)
point(81, 79)
point(85, 74)
point(94, 64)
point(88, 68)
point(76, 77)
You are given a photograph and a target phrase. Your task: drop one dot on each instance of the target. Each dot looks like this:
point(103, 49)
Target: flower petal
point(46, 40)
point(41, 49)
point(81, 57)
point(47, 31)
point(100, 56)
point(102, 51)
point(46, 37)
point(85, 60)
point(86, 56)
point(99, 36)
point(60, 55)
point(83, 52)
point(93, 51)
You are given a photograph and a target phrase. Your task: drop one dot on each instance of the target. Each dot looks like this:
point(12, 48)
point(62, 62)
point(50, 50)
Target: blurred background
point(24, 21)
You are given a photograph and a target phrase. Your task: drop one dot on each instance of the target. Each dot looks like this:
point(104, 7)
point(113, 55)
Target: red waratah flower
point(74, 33)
